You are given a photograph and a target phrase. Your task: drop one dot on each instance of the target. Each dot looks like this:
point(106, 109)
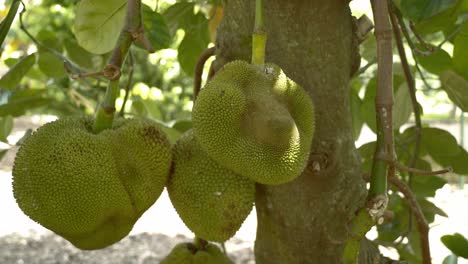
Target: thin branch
point(426, 45)
point(423, 227)
point(130, 62)
point(197, 82)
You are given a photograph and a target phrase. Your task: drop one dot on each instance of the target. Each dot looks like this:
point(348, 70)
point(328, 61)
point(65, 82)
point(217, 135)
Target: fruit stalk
point(259, 36)
point(128, 34)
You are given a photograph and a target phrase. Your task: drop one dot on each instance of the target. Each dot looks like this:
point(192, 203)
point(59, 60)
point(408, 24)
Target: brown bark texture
point(305, 221)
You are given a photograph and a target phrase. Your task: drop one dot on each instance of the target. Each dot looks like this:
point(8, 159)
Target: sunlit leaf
point(450, 259)
point(195, 41)
point(98, 24)
point(156, 29)
point(456, 88)
point(13, 77)
point(6, 126)
point(6, 23)
point(51, 65)
point(179, 15)
point(402, 107)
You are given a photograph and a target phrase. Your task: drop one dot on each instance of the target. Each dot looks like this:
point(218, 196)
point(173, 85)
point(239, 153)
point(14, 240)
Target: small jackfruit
point(91, 188)
point(188, 253)
point(255, 121)
point(211, 200)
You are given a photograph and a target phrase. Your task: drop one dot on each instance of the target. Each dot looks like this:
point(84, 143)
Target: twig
point(414, 170)
point(69, 66)
point(199, 70)
point(426, 45)
point(423, 227)
point(130, 62)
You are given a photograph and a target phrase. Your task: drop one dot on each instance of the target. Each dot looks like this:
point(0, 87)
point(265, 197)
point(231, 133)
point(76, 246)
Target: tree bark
point(305, 221)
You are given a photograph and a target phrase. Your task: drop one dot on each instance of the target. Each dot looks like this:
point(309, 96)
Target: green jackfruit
point(255, 121)
point(211, 200)
point(188, 253)
point(91, 188)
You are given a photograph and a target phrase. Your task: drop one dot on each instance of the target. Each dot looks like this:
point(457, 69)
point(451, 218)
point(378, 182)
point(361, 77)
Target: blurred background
point(36, 88)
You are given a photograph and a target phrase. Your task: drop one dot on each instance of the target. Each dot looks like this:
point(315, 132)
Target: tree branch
point(197, 81)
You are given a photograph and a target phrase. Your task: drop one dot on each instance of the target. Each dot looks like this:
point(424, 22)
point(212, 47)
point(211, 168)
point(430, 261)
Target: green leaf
point(23, 101)
point(457, 243)
point(368, 49)
point(456, 88)
point(194, 43)
point(427, 185)
point(182, 125)
point(13, 77)
point(51, 65)
point(156, 29)
point(98, 24)
point(450, 259)
point(79, 55)
point(6, 126)
point(436, 62)
point(402, 108)
point(418, 10)
point(439, 143)
point(6, 23)
point(459, 163)
point(439, 22)
point(178, 15)
point(430, 210)
point(460, 52)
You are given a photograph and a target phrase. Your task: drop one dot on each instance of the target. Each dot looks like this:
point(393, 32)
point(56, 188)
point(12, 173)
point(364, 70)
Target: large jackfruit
point(91, 188)
point(255, 121)
point(188, 253)
point(211, 200)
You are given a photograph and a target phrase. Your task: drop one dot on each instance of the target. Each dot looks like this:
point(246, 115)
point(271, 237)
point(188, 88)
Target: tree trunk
point(305, 221)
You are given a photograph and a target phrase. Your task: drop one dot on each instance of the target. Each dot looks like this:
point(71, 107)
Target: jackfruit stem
point(259, 36)
point(129, 33)
point(200, 243)
point(106, 112)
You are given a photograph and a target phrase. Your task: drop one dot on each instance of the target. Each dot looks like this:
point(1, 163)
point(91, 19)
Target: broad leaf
point(179, 15)
point(402, 107)
point(194, 43)
point(450, 259)
point(418, 10)
point(51, 65)
point(456, 88)
point(98, 24)
point(460, 52)
point(23, 101)
point(436, 62)
point(430, 210)
point(439, 143)
point(6, 125)
point(13, 77)
point(457, 243)
point(6, 23)
point(79, 55)
point(459, 163)
point(356, 104)
point(182, 125)
point(156, 29)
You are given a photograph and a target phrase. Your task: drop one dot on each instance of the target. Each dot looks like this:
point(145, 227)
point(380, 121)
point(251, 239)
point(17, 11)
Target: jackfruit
point(211, 200)
point(255, 121)
point(188, 253)
point(91, 188)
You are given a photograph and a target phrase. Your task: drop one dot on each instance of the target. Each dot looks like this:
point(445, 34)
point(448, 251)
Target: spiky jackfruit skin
point(187, 253)
point(211, 200)
point(91, 188)
point(255, 121)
